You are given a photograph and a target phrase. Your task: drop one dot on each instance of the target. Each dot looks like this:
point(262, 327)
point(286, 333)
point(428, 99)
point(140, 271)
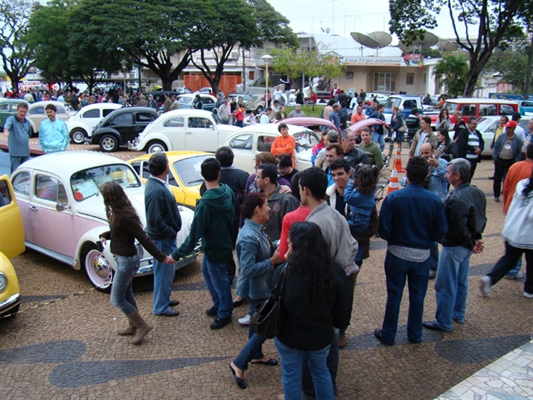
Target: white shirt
point(277, 94)
point(265, 119)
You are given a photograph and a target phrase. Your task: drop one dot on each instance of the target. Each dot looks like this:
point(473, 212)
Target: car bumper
point(9, 304)
point(148, 269)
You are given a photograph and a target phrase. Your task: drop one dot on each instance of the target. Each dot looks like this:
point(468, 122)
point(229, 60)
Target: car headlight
point(3, 282)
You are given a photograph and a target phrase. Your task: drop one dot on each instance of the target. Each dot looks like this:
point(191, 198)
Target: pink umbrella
point(367, 122)
point(306, 121)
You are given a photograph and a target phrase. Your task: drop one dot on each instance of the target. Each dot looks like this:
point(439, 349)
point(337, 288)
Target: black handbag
point(267, 321)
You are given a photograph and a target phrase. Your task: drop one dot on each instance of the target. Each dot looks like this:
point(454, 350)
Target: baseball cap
point(333, 136)
point(511, 124)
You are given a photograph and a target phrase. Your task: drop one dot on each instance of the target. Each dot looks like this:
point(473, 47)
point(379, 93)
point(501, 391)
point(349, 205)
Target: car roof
point(70, 162)
point(45, 103)
point(476, 100)
point(270, 128)
point(175, 155)
point(403, 95)
point(186, 111)
point(8, 100)
point(101, 105)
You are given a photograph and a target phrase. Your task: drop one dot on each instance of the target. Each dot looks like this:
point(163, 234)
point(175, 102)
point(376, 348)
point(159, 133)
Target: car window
point(21, 183)
point(189, 170)
point(5, 196)
point(185, 100)
point(408, 104)
point(527, 104)
point(144, 117)
point(49, 188)
point(176, 122)
point(242, 142)
point(487, 109)
point(61, 110)
point(107, 111)
point(207, 100)
point(125, 118)
point(36, 110)
point(4, 106)
point(199, 122)
point(94, 113)
point(468, 110)
point(87, 183)
point(393, 101)
point(264, 143)
point(506, 109)
point(305, 140)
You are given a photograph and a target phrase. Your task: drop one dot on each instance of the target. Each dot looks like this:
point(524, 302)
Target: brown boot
point(130, 330)
point(142, 327)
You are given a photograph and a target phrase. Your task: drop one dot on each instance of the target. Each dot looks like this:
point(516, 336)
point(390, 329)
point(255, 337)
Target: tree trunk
point(527, 89)
point(167, 82)
point(14, 80)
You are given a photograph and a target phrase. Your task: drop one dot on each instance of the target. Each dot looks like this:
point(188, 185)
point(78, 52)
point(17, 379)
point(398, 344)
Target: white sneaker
point(486, 283)
point(245, 320)
point(528, 295)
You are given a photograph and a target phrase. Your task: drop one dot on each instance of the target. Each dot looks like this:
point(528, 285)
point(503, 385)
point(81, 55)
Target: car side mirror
point(61, 206)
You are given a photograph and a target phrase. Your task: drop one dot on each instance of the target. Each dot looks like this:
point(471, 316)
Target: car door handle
point(188, 132)
point(33, 208)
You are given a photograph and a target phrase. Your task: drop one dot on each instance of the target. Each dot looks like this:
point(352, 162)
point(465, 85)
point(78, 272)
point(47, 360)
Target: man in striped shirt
point(470, 144)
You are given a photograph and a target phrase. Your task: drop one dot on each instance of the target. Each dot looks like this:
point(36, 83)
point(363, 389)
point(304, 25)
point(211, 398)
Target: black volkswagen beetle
point(121, 126)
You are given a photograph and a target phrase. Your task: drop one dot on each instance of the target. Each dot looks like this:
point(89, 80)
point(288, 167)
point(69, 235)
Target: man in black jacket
point(465, 213)
point(163, 222)
point(470, 144)
point(352, 154)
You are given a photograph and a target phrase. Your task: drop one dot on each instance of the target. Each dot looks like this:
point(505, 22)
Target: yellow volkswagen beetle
point(185, 176)
point(11, 245)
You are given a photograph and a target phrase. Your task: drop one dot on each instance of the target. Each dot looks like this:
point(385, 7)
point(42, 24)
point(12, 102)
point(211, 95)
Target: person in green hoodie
point(213, 223)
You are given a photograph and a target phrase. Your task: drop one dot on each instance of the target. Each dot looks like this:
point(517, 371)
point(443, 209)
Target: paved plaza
point(68, 348)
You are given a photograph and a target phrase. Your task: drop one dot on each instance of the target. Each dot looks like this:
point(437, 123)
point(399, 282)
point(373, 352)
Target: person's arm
point(135, 228)
point(66, 137)
point(106, 235)
point(155, 203)
point(280, 148)
point(342, 308)
point(385, 220)
point(284, 237)
point(378, 158)
point(351, 194)
point(249, 267)
point(199, 226)
point(458, 215)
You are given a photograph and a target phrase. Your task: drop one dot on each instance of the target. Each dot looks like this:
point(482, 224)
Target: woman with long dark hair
point(445, 146)
point(256, 268)
point(518, 235)
point(125, 227)
point(443, 120)
point(315, 299)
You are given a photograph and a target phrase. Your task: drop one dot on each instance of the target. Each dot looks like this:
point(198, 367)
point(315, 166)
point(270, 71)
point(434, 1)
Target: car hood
point(305, 155)
point(227, 128)
point(94, 206)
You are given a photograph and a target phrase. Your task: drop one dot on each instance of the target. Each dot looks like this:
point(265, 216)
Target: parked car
point(186, 129)
point(8, 107)
point(185, 177)
point(37, 114)
point(182, 90)
point(405, 102)
point(525, 107)
point(309, 121)
point(81, 124)
point(487, 127)
point(187, 100)
point(245, 97)
point(121, 126)
point(63, 212)
point(256, 103)
point(253, 139)
point(472, 107)
point(205, 90)
point(382, 98)
point(11, 245)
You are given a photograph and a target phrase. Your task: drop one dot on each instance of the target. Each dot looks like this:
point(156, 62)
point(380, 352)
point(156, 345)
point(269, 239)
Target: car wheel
point(108, 143)
point(97, 268)
point(78, 136)
point(156, 146)
point(259, 110)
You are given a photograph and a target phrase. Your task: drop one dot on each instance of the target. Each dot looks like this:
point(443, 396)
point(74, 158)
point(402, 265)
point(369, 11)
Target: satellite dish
point(428, 41)
point(404, 48)
point(383, 38)
point(365, 40)
point(446, 45)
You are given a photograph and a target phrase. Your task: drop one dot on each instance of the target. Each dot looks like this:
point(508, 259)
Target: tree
point(16, 56)
point(452, 71)
point(152, 33)
point(411, 18)
point(273, 27)
point(512, 65)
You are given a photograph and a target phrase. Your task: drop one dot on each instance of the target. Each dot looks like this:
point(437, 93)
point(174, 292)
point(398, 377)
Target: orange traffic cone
point(398, 162)
point(393, 184)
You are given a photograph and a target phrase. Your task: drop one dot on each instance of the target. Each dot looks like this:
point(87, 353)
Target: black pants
point(500, 170)
point(473, 165)
point(508, 262)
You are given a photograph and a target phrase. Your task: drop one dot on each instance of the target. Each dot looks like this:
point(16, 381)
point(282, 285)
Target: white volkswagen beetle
point(82, 123)
point(63, 212)
point(187, 129)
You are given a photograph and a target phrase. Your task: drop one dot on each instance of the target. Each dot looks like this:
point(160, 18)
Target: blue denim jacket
point(253, 252)
point(361, 207)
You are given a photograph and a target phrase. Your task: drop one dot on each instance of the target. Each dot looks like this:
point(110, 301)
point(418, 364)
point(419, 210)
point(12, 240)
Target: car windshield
point(486, 124)
point(87, 183)
point(305, 140)
point(189, 170)
point(393, 101)
point(185, 100)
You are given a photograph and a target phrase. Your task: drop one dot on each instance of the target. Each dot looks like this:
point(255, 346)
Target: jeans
point(252, 350)
point(508, 261)
point(16, 161)
point(332, 361)
point(291, 371)
point(451, 286)
point(500, 170)
point(397, 271)
point(216, 279)
point(473, 165)
point(379, 139)
point(121, 292)
point(163, 277)
point(515, 270)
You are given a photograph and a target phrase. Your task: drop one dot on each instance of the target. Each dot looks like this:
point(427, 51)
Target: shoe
point(142, 327)
point(239, 302)
point(220, 323)
point(485, 285)
point(170, 313)
point(414, 341)
point(270, 362)
point(245, 320)
point(432, 273)
point(130, 330)
point(212, 312)
point(343, 341)
point(459, 321)
point(518, 275)
point(239, 381)
point(432, 326)
point(377, 334)
point(528, 295)
point(491, 177)
point(173, 303)
point(497, 199)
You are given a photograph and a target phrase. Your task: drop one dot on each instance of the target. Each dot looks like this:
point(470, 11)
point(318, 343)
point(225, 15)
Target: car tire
point(78, 135)
point(97, 268)
point(155, 146)
point(259, 110)
point(108, 143)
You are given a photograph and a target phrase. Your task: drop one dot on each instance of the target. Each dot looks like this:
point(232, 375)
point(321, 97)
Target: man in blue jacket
point(163, 222)
point(53, 132)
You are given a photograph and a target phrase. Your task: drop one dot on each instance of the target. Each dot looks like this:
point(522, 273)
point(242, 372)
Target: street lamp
point(124, 64)
point(266, 59)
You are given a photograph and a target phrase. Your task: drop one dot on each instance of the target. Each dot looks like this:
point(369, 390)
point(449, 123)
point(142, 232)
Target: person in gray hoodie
point(213, 223)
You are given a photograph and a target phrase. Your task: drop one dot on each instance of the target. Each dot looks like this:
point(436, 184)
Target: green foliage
point(512, 65)
point(273, 27)
point(452, 70)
